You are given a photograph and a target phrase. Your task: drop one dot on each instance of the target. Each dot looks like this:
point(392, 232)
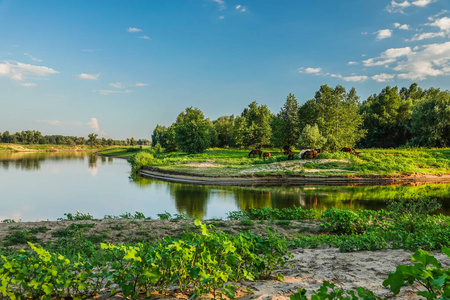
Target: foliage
point(192, 131)
point(310, 138)
point(431, 120)
point(285, 126)
point(252, 128)
point(296, 213)
point(330, 291)
point(223, 127)
point(141, 159)
point(427, 272)
point(77, 217)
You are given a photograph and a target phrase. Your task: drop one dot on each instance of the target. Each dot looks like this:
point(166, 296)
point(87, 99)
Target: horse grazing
point(266, 154)
point(347, 149)
point(356, 153)
point(309, 154)
point(254, 152)
point(319, 150)
point(300, 155)
point(289, 154)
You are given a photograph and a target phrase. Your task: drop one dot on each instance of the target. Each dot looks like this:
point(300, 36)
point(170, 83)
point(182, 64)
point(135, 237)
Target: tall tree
point(192, 134)
point(431, 120)
point(92, 139)
point(285, 125)
point(257, 131)
point(336, 113)
point(224, 130)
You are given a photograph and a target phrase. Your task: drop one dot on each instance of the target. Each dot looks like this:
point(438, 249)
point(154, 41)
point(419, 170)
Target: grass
point(44, 147)
point(216, 162)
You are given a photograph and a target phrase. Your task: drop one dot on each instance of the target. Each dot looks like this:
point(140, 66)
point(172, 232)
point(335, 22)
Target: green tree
point(257, 131)
point(133, 142)
point(290, 122)
point(431, 120)
point(192, 131)
point(224, 129)
point(336, 113)
point(92, 139)
point(310, 138)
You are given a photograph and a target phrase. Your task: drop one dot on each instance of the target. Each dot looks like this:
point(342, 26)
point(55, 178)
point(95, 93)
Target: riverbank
point(6, 147)
point(308, 267)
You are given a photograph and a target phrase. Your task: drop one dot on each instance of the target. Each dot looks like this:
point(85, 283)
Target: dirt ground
point(310, 267)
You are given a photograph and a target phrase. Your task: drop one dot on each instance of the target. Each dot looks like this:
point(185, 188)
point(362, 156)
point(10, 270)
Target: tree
point(431, 120)
point(133, 142)
point(256, 131)
point(290, 122)
point(336, 113)
point(192, 133)
point(92, 139)
point(310, 138)
point(165, 137)
point(224, 129)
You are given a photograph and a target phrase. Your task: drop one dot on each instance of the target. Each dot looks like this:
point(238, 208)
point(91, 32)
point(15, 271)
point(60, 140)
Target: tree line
point(333, 119)
point(31, 137)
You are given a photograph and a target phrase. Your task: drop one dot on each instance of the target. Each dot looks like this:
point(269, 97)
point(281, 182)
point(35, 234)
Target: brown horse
point(254, 152)
point(289, 154)
point(347, 149)
point(266, 154)
point(319, 150)
point(309, 154)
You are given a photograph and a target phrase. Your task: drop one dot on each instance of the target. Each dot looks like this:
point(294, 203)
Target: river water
point(44, 186)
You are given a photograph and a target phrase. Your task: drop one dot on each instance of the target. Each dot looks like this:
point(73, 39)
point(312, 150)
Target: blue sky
point(118, 68)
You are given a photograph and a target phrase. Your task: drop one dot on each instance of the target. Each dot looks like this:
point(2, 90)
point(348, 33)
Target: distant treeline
point(333, 119)
point(35, 137)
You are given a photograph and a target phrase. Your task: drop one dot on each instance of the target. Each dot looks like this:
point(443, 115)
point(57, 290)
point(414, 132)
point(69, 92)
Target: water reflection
point(62, 182)
point(194, 199)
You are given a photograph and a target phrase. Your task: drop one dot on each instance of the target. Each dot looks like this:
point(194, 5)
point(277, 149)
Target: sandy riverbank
point(310, 267)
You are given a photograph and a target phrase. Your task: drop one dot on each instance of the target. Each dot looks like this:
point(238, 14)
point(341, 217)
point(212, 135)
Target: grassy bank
point(235, 162)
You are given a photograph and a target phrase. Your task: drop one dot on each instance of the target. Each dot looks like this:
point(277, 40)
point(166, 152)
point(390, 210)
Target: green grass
point(235, 162)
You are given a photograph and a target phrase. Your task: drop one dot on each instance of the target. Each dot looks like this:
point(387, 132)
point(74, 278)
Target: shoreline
point(179, 177)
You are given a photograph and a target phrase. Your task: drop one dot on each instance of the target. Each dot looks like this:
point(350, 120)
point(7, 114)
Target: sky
point(119, 68)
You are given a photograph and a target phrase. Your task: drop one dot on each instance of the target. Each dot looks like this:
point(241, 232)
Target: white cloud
point(145, 37)
point(422, 3)
point(310, 70)
point(86, 76)
point(383, 34)
point(221, 17)
point(29, 84)
point(426, 35)
point(20, 71)
point(400, 6)
point(358, 78)
point(221, 3)
point(93, 124)
point(364, 32)
point(109, 92)
point(383, 77)
point(240, 8)
point(51, 122)
point(141, 84)
point(442, 23)
point(352, 63)
point(32, 58)
point(117, 85)
point(387, 57)
point(401, 26)
point(134, 29)
point(428, 61)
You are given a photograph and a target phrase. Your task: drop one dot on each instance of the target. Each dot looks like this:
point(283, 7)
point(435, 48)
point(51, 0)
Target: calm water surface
point(46, 185)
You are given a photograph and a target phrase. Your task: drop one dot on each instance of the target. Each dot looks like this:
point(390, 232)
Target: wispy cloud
point(401, 26)
point(141, 84)
point(240, 8)
point(387, 57)
point(51, 122)
point(20, 71)
point(442, 23)
point(86, 76)
point(221, 17)
point(424, 36)
point(145, 37)
point(134, 29)
point(93, 124)
point(117, 85)
point(221, 3)
point(383, 77)
point(310, 70)
point(383, 34)
point(350, 63)
point(402, 5)
point(109, 92)
point(29, 84)
point(33, 58)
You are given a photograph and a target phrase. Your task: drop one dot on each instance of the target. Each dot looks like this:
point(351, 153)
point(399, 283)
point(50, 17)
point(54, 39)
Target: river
point(45, 186)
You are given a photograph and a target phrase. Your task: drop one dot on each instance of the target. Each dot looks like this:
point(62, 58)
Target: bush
point(141, 159)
